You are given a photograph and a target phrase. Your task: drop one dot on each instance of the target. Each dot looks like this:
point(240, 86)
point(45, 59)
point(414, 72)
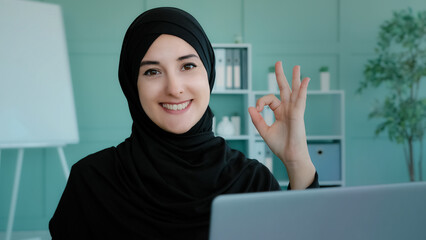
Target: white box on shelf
point(326, 158)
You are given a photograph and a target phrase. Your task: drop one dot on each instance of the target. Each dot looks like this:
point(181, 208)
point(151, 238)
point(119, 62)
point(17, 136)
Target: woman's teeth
point(175, 107)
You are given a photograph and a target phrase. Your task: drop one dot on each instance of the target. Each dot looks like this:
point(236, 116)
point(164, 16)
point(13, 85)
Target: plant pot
point(325, 81)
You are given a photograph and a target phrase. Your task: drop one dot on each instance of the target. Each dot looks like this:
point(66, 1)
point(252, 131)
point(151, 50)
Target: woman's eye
point(151, 72)
point(188, 66)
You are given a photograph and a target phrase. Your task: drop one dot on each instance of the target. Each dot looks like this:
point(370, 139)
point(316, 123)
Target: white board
point(36, 98)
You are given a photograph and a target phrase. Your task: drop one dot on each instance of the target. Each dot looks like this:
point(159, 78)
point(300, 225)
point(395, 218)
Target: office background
point(341, 34)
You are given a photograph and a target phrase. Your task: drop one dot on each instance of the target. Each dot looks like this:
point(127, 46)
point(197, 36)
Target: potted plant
point(400, 67)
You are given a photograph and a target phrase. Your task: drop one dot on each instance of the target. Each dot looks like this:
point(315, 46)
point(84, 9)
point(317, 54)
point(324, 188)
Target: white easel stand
point(16, 185)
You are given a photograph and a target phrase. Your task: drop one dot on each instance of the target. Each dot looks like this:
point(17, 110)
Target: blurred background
point(339, 34)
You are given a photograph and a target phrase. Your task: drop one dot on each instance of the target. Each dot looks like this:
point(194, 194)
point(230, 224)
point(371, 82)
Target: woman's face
point(173, 84)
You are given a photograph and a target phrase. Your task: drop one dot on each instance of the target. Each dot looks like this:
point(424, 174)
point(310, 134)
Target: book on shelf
point(236, 60)
point(220, 68)
point(229, 69)
point(244, 69)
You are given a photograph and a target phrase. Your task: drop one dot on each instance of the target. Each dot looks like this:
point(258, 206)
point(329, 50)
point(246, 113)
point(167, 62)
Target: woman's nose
point(175, 85)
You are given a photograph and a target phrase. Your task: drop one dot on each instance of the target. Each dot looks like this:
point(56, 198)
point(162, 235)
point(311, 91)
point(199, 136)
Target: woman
point(160, 182)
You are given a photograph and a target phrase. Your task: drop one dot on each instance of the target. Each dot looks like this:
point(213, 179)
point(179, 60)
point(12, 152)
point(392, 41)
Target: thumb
point(258, 121)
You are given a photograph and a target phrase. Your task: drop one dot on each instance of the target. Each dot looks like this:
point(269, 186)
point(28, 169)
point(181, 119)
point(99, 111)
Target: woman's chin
point(177, 129)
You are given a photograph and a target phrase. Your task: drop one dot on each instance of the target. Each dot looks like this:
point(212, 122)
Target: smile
point(176, 107)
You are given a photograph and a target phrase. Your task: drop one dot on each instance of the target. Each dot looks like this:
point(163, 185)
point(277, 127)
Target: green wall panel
point(360, 20)
point(221, 19)
point(97, 91)
point(289, 22)
point(98, 22)
point(375, 161)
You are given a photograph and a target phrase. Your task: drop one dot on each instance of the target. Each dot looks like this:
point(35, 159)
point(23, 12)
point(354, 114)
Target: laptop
point(391, 211)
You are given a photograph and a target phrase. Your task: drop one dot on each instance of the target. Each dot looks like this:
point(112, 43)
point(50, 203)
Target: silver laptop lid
point(393, 211)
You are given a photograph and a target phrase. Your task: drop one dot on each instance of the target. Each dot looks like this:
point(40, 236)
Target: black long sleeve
point(314, 184)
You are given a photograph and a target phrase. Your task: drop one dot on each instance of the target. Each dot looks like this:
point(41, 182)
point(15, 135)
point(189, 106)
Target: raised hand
point(286, 137)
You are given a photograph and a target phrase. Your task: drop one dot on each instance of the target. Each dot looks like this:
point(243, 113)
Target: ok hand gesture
point(286, 137)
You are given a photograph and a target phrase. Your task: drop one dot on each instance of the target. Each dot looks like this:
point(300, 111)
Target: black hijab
point(156, 184)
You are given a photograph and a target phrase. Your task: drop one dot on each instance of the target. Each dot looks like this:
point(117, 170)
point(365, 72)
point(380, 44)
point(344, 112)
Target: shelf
point(324, 137)
point(235, 138)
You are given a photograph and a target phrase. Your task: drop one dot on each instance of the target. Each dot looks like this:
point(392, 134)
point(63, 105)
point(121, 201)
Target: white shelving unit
point(235, 100)
point(324, 120)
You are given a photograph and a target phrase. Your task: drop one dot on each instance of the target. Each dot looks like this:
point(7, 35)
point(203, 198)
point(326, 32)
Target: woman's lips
point(176, 107)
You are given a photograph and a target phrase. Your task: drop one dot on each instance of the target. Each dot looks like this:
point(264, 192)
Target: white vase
point(325, 81)
point(236, 122)
point(225, 127)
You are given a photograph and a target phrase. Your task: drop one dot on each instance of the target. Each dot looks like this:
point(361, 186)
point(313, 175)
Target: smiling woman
point(160, 182)
point(173, 84)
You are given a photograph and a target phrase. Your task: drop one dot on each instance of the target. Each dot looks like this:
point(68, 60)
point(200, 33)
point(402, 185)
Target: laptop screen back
point(393, 211)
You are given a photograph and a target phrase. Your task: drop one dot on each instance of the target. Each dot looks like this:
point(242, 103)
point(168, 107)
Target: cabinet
point(324, 120)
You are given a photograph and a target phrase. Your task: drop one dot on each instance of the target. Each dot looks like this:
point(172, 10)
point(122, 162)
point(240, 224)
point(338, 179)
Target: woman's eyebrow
point(149, 63)
point(187, 56)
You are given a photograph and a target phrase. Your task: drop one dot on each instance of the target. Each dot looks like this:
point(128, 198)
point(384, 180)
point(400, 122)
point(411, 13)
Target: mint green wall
point(340, 34)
